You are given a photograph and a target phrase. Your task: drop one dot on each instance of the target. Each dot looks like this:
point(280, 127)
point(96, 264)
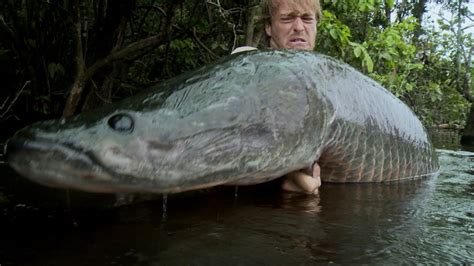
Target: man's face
point(292, 26)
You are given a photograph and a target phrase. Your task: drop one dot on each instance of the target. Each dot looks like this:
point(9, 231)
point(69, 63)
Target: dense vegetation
point(59, 57)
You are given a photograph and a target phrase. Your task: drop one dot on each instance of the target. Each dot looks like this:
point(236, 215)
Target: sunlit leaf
point(333, 32)
point(357, 51)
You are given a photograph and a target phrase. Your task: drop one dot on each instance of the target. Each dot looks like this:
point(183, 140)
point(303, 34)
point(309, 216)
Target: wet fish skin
point(247, 119)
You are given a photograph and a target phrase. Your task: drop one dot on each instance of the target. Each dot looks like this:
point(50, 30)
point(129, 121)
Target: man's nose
point(298, 25)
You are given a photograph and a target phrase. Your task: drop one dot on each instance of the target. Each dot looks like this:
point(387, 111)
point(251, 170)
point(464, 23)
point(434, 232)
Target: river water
point(423, 221)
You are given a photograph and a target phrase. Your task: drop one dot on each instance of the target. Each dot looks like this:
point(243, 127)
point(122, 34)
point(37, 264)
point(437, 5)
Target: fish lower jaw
point(56, 177)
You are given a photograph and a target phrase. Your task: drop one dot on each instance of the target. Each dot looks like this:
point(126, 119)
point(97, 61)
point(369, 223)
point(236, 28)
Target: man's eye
point(286, 19)
point(308, 19)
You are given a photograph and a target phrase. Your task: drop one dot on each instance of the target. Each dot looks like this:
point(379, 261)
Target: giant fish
point(247, 119)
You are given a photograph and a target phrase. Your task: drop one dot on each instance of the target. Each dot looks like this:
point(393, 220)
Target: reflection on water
point(430, 220)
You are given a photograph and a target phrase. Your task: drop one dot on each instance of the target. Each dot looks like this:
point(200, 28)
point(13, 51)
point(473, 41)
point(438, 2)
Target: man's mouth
point(297, 41)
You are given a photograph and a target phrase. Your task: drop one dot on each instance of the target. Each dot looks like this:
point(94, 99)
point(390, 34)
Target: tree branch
point(10, 34)
point(467, 27)
point(202, 44)
point(13, 101)
point(249, 32)
point(148, 10)
point(133, 50)
point(79, 81)
point(4, 27)
point(467, 78)
point(127, 52)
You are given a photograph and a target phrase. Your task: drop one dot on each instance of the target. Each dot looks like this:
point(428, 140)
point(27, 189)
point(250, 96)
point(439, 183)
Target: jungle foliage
point(60, 57)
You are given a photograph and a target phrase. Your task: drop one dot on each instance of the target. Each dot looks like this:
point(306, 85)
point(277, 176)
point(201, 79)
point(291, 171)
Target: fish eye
point(121, 123)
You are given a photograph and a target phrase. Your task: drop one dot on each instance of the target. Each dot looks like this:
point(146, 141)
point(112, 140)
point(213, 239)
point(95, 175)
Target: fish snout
point(13, 146)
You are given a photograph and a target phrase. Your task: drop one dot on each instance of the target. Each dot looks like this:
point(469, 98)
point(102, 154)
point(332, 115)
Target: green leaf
point(386, 56)
point(390, 3)
point(414, 66)
point(357, 51)
point(55, 69)
point(368, 62)
point(353, 44)
point(333, 33)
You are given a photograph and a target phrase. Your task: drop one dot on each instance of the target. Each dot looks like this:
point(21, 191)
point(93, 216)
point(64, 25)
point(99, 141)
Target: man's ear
point(268, 29)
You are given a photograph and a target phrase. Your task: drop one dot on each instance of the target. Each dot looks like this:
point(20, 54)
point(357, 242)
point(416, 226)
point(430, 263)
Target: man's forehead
point(297, 7)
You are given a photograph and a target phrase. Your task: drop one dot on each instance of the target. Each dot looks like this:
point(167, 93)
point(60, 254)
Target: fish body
point(247, 119)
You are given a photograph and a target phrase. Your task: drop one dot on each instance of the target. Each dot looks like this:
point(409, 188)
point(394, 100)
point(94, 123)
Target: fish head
point(158, 151)
point(208, 128)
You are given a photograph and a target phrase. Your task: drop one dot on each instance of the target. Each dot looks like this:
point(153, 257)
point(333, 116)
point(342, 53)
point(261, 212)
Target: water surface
point(423, 221)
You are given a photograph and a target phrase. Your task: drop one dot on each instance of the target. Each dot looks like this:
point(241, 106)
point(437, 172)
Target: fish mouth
point(65, 165)
point(60, 165)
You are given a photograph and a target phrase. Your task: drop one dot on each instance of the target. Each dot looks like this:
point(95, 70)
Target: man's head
point(291, 23)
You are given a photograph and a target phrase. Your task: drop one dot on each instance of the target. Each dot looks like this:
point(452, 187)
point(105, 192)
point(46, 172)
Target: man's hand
point(301, 182)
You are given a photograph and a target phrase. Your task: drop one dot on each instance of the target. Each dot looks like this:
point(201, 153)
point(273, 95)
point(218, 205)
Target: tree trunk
point(419, 10)
point(468, 134)
point(78, 86)
point(107, 37)
point(387, 14)
point(463, 77)
point(402, 10)
point(249, 34)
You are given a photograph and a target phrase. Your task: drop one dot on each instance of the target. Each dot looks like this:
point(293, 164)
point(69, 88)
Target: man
point(291, 24)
